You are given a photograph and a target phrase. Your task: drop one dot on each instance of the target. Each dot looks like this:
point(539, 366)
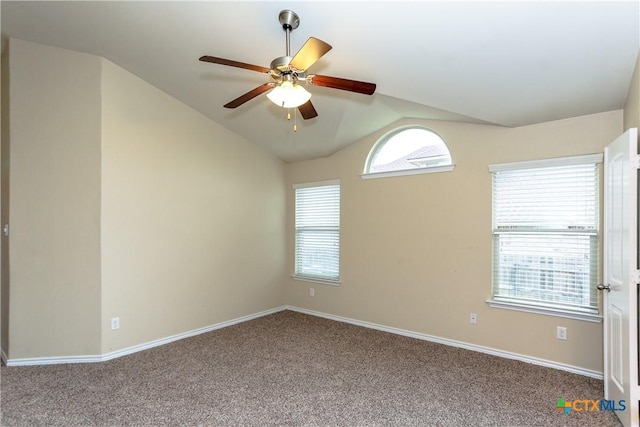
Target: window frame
point(386, 138)
point(548, 308)
point(297, 275)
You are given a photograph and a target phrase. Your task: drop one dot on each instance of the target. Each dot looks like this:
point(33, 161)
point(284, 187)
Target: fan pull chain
point(295, 119)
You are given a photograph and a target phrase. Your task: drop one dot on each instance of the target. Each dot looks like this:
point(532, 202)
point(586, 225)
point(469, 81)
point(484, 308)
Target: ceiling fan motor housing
point(281, 63)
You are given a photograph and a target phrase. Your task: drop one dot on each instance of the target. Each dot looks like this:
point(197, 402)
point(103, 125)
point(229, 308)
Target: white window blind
point(545, 235)
point(317, 234)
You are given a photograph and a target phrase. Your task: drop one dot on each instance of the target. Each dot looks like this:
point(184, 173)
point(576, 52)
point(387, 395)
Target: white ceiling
point(506, 63)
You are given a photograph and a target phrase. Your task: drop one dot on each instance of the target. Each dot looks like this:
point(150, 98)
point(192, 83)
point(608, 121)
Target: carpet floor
point(292, 369)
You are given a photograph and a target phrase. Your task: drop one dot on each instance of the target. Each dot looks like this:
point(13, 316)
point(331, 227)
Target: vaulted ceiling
point(505, 63)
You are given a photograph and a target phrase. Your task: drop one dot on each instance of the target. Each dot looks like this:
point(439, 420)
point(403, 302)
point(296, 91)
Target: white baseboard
point(34, 361)
point(403, 332)
point(454, 343)
point(167, 340)
point(135, 348)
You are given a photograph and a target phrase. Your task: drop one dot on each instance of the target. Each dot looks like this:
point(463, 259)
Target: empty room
point(315, 213)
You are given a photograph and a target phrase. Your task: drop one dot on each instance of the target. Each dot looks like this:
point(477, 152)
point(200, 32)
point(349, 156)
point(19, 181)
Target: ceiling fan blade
point(309, 53)
point(307, 110)
point(249, 95)
point(229, 62)
point(343, 84)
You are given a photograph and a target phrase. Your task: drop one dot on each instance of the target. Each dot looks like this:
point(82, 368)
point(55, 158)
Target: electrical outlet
point(115, 323)
point(561, 333)
point(312, 292)
point(473, 318)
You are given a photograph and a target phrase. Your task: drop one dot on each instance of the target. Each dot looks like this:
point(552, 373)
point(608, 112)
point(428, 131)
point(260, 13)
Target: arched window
point(408, 150)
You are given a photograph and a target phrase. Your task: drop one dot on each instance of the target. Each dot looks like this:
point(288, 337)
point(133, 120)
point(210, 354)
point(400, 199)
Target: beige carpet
point(291, 369)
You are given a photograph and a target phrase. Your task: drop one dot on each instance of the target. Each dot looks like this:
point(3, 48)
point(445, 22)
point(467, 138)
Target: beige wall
point(632, 106)
point(193, 220)
point(125, 202)
point(55, 202)
point(416, 250)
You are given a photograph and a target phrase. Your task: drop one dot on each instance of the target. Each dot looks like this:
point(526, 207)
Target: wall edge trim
point(432, 338)
point(33, 361)
point(460, 344)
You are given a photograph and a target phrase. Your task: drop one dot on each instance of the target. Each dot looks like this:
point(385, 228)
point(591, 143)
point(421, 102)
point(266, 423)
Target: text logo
point(587, 405)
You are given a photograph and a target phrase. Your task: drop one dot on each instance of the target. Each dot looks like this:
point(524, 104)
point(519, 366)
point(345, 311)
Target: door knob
point(603, 287)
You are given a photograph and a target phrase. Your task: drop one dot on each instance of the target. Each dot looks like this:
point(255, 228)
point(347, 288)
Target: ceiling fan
point(289, 72)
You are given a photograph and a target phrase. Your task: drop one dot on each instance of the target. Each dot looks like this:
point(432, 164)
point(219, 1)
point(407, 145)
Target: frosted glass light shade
point(288, 95)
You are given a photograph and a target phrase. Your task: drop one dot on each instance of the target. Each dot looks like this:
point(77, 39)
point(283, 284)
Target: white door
point(620, 291)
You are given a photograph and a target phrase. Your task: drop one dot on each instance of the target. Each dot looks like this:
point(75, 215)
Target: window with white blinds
point(545, 234)
point(317, 233)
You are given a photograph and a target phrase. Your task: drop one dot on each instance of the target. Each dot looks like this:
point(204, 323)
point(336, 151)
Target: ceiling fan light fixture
point(289, 95)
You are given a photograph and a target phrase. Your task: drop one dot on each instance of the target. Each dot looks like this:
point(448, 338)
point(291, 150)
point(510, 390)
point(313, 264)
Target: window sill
point(596, 318)
point(418, 171)
point(316, 280)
